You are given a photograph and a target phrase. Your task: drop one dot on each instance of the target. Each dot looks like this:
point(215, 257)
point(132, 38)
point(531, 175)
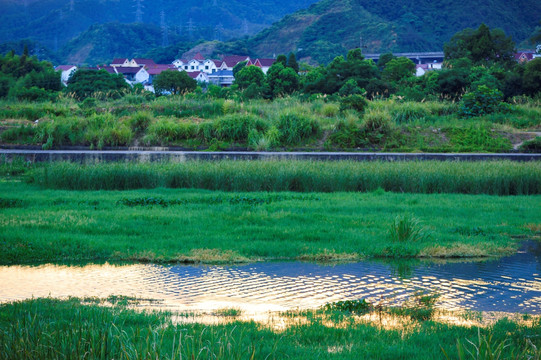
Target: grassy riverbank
point(200, 121)
point(48, 329)
point(186, 225)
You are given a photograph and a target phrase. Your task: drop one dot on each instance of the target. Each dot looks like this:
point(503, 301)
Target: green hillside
point(53, 23)
point(330, 27)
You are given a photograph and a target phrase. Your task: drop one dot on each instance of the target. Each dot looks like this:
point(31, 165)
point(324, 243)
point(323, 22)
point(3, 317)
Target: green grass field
point(189, 225)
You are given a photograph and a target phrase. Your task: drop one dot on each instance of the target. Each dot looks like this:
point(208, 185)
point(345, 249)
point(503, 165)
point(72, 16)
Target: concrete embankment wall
point(180, 156)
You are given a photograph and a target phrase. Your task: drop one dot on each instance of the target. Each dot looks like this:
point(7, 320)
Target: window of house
point(192, 67)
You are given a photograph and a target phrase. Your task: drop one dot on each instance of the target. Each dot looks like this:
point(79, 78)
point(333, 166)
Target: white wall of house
point(66, 75)
point(209, 66)
point(141, 77)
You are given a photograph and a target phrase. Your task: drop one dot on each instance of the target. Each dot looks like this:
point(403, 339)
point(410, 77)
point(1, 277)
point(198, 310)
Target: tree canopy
point(482, 46)
point(174, 82)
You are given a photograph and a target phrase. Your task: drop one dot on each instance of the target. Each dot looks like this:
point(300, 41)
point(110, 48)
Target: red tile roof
point(194, 74)
point(146, 62)
point(199, 57)
point(65, 67)
point(119, 61)
point(233, 60)
point(159, 68)
point(127, 70)
point(109, 69)
point(524, 56)
point(265, 62)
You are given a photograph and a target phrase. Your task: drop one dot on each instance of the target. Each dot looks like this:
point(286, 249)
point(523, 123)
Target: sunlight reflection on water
point(511, 284)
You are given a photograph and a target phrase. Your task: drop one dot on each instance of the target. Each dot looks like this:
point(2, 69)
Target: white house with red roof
point(229, 62)
point(264, 64)
point(67, 71)
point(133, 75)
point(199, 76)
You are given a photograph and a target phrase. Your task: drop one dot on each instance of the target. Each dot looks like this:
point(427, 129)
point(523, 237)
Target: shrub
point(330, 110)
point(407, 228)
point(237, 127)
point(377, 125)
point(355, 102)
point(23, 134)
point(169, 131)
point(140, 121)
point(482, 101)
point(295, 128)
point(532, 146)
point(347, 135)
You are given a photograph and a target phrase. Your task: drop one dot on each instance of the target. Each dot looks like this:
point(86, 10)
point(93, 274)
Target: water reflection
point(512, 284)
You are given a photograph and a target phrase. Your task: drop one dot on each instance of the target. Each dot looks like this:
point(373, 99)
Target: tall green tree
point(398, 69)
point(91, 83)
point(482, 46)
point(174, 82)
point(292, 62)
point(532, 77)
point(249, 75)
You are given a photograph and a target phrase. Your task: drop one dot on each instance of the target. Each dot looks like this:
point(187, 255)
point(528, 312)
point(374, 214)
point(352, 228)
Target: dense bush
point(295, 128)
point(482, 101)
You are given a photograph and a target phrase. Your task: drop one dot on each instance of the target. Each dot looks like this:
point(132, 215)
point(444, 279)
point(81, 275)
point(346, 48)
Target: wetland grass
point(491, 177)
point(52, 329)
point(187, 225)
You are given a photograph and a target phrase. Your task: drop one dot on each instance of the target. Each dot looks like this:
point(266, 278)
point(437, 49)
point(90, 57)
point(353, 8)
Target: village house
point(199, 76)
point(223, 78)
point(264, 64)
point(67, 71)
point(421, 69)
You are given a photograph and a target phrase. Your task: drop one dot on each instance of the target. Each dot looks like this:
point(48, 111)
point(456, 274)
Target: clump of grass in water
point(487, 347)
point(407, 228)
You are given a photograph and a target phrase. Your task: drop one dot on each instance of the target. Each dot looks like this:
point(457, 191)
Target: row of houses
point(210, 71)
point(143, 71)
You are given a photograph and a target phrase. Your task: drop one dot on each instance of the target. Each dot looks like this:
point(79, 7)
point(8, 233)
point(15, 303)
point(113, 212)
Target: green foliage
point(98, 84)
point(23, 134)
point(169, 131)
point(481, 46)
point(295, 128)
point(174, 82)
point(292, 62)
point(140, 121)
point(355, 102)
point(497, 178)
point(350, 88)
point(532, 146)
point(350, 306)
point(532, 77)
point(237, 127)
point(282, 80)
point(482, 101)
point(398, 69)
point(407, 228)
point(249, 75)
point(476, 137)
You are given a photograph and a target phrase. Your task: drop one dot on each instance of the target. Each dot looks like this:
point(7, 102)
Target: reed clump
point(494, 178)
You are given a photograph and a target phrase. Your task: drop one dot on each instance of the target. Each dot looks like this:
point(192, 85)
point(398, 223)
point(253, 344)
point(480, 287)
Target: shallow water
point(511, 284)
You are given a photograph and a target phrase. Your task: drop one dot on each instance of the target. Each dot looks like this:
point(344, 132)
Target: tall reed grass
point(495, 178)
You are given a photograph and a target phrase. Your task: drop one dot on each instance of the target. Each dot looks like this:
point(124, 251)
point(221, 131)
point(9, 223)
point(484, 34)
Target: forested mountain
point(55, 22)
point(330, 27)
